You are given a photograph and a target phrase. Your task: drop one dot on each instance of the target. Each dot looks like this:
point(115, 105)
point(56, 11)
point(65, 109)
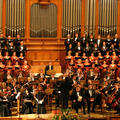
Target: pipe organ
point(90, 11)
point(108, 17)
point(43, 18)
point(15, 18)
point(71, 17)
point(43, 21)
point(1, 16)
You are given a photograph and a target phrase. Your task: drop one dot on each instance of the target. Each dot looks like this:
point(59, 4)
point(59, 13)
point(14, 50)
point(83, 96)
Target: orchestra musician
point(48, 67)
point(90, 97)
point(78, 98)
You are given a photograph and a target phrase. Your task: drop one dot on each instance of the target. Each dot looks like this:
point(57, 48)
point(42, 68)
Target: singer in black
point(40, 100)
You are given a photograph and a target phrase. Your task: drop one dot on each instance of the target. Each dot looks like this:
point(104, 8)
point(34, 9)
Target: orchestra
point(91, 77)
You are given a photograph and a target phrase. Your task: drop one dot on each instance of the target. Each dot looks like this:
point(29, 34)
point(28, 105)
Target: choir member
point(68, 41)
point(99, 41)
point(14, 58)
point(79, 48)
point(76, 39)
point(108, 41)
point(25, 68)
point(91, 41)
point(83, 40)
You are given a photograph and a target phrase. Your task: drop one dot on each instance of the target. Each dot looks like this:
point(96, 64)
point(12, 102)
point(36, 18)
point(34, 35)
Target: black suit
point(88, 96)
point(77, 104)
point(48, 68)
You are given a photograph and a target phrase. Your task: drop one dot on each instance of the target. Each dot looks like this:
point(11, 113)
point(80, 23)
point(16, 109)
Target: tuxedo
point(21, 49)
point(90, 94)
point(75, 100)
point(67, 43)
point(48, 68)
point(98, 42)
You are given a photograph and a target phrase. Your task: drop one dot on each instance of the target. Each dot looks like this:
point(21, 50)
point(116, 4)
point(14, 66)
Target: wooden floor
point(92, 116)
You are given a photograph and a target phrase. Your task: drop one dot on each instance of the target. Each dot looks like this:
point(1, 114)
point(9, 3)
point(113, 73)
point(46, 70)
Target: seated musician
point(14, 58)
point(40, 100)
point(27, 106)
point(8, 76)
point(25, 68)
point(90, 98)
point(80, 75)
point(49, 67)
point(116, 100)
point(78, 98)
point(4, 105)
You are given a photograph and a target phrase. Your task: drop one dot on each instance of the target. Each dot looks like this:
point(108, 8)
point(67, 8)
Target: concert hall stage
point(91, 116)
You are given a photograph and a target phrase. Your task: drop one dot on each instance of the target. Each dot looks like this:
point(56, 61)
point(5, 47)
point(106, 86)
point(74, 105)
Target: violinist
point(4, 105)
point(116, 100)
point(78, 98)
